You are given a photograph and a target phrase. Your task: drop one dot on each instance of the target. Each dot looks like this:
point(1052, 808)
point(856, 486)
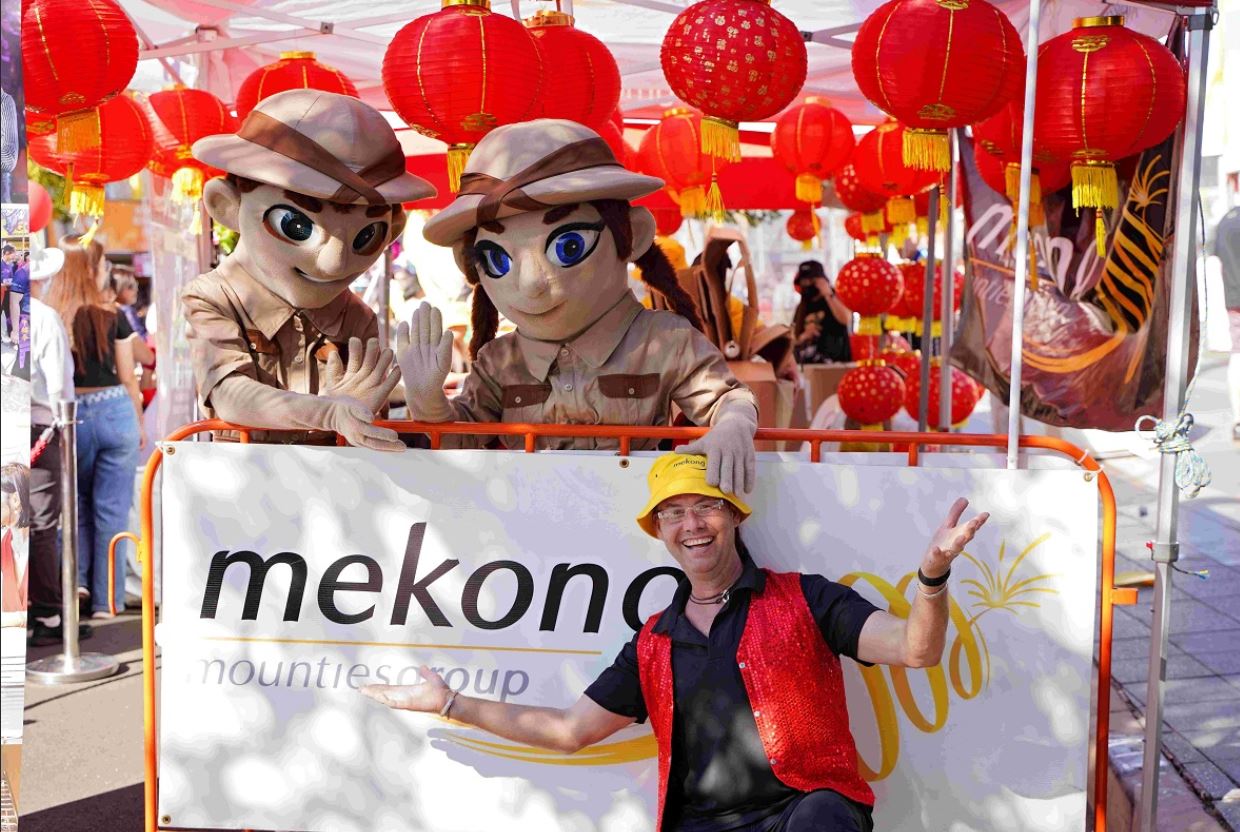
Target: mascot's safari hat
point(321, 144)
point(531, 166)
point(675, 474)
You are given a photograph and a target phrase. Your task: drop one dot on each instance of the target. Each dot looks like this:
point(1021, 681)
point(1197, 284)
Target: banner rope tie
point(1191, 471)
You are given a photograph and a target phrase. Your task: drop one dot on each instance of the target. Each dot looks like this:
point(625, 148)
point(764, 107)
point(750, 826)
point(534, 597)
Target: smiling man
point(740, 675)
point(314, 187)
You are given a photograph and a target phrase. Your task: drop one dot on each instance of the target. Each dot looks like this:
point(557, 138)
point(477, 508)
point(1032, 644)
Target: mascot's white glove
point(424, 352)
point(368, 378)
point(728, 447)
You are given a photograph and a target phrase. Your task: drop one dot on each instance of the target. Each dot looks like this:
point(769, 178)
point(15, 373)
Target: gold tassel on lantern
point(78, 131)
point(900, 211)
point(809, 188)
point(927, 150)
point(693, 202)
point(186, 185)
point(873, 223)
point(721, 139)
point(458, 157)
point(870, 325)
point(714, 200)
point(1095, 185)
point(86, 199)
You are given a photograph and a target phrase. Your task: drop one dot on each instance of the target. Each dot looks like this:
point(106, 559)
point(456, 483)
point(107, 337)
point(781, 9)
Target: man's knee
point(827, 811)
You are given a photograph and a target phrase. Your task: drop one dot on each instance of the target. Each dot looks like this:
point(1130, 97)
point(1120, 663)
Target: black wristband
point(939, 581)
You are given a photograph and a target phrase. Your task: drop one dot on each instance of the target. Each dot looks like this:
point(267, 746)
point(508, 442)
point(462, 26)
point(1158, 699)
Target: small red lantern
point(964, 396)
point(667, 218)
point(937, 64)
point(735, 60)
point(293, 71)
point(871, 395)
point(879, 160)
point(915, 295)
point(456, 74)
point(587, 80)
point(903, 315)
point(804, 226)
point(869, 286)
point(1104, 93)
point(672, 151)
point(179, 117)
point(40, 202)
point(813, 140)
point(75, 56)
point(124, 149)
point(906, 362)
point(855, 197)
point(852, 227)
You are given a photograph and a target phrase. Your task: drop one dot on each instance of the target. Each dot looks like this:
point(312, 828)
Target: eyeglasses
point(672, 516)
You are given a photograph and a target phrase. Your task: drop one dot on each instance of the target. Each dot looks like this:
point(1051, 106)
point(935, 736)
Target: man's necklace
point(721, 598)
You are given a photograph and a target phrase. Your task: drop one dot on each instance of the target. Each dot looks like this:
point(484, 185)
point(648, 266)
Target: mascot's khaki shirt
point(235, 324)
point(629, 368)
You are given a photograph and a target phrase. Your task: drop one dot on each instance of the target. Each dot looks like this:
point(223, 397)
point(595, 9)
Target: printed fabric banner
point(295, 575)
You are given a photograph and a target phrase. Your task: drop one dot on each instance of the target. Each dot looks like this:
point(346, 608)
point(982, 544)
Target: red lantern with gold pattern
point(937, 64)
point(75, 55)
point(871, 395)
point(735, 60)
point(178, 118)
point(587, 80)
point(869, 286)
point(964, 396)
point(294, 71)
point(812, 140)
point(1104, 93)
point(879, 160)
point(124, 149)
point(803, 226)
point(456, 74)
point(672, 151)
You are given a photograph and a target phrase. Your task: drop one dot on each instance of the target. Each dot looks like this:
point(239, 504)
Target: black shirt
point(720, 778)
point(88, 369)
point(832, 343)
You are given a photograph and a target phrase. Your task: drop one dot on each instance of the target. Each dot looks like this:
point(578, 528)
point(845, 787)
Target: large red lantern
point(869, 286)
point(855, 197)
point(813, 140)
point(180, 117)
point(937, 64)
point(871, 395)
point(124, 148)
point(965, 395)
point(293, 71)
point(1104, 93)
point(879, 160)
point(587, 80)
point(1000, 137)
point(804, 226)
point(75, 56)
point(672, 151)
point(458, 73)
point(735, 60)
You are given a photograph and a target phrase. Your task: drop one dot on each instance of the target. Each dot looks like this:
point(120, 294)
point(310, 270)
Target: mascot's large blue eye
point(569, 245)
point(289, 223)
point(495, 261)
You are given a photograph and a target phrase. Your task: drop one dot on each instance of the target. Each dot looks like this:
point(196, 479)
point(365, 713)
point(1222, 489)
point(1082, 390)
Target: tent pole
point(1166, 548)
point(949, 285)
point(1022, 237)
point(927, 313)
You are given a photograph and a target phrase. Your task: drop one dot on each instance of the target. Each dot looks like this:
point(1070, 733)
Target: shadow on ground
point(115, 811)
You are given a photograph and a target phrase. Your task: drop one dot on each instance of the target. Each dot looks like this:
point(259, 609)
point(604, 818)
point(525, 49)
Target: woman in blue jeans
point(109, 411)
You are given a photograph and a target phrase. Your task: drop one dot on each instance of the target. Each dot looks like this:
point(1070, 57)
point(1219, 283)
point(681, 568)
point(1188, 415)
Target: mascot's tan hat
point(321, 144)
point(531, 166)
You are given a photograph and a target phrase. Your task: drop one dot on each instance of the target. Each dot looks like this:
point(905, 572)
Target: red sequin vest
point(795, 686)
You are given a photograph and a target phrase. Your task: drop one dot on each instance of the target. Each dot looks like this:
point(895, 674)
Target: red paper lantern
point(964, 396)
point(587, 80)
point(813, 140)
point(615, 140)
point(666, 212)
point(1104, 93)
point(1000, 137)
point(179, 117)
point(75, 56)
point(40, 207)
point(903, 314)
point(803, 226)
point(672, 151)
point(855, 197)
point(906, 362)
point(915, 295)
point(124, 149)
point(735, 60)
point(456, 74)
point(852, 227)
point(293, 71)
point(937, 64)
point(871, 395)
point(879, 160)
point(869, 286)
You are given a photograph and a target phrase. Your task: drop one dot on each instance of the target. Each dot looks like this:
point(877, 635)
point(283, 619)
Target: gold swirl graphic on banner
point(966, 671)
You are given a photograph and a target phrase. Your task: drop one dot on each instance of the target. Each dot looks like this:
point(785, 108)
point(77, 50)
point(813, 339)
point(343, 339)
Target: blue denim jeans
point(107, 456)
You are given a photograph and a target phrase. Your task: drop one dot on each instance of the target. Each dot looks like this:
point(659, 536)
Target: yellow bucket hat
point(675, 474)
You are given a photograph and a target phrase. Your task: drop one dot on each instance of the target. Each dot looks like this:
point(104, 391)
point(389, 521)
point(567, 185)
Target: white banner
point(520, 576)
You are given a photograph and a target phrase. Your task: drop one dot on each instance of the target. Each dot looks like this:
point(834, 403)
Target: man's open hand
point(950, 539)
point(428, 697)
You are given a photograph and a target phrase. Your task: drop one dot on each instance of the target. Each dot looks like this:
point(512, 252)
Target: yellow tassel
point(1037, 214)
point(458, 157)
point(923, 226)
point(86, 199)
point(936, 329)
point(1094, 185)
point(872, 240)
point(714, 200)
point(869, 325)
point(721, 139)
point(78, 131)
point(807, 245)
point(900, 211)
point(186, 185)
point(927, 150)
point(809, 188)
point(873, 223)
point(1033, 265)
point(693, 202)
point(899, 234)
point(195, 226)
point(1100, 233)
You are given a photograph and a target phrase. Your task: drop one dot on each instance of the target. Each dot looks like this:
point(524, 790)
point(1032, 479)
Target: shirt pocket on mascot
point(525, 403)
point(631, 399)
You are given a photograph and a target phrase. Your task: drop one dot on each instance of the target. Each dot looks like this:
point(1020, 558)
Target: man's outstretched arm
point(560, 729)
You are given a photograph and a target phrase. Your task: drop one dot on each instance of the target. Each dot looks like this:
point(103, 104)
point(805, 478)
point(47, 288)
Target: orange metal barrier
point(1110, 594)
